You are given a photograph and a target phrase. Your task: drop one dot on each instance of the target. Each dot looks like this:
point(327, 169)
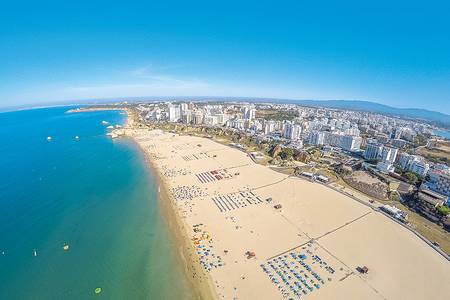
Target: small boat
point(35, 253)
point(113, 135)
point(49, 138)
point(118, 126)
point(105, 123)
point(110, 127)
point(77, 137)
point(66, 247)
point(98, 290)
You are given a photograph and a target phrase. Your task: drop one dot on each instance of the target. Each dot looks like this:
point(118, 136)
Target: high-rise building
point(249, 112)
point(238, 124)
point(385, 167)
point(389, 154)
point(174, 113)
point(292, 131)
point(440, 181)
point(373, 151)
point(183, 107)
point(398, 143)
point(317, 138)
point(186, 117)
point(154, 115)
point(256, 126)
point(354, 131)
point(245, 110)
point(197, 118)
point(269, 126)
point(419, 167)
point(350, 143)
point(413, 163)
point(211, 120)
point(405, 160)
point(222, 118)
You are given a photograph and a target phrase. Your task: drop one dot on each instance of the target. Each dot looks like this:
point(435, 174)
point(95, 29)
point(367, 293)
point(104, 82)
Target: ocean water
point(443, 133)
point(94, 194)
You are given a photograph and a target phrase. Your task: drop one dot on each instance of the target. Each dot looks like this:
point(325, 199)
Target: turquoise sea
point(94, 194)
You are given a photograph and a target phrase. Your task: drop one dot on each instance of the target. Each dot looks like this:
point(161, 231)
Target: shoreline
point(442, 133)
point(179, 237)
point(178, 234)
point(345, 234)
point(93, 109)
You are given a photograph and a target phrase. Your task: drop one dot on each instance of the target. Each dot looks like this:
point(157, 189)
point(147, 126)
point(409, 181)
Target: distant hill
point(433, 117)
point(437, 118)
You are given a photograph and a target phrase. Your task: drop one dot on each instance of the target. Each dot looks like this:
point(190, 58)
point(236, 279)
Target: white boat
point(105, 123)
point(34, 252)
point(118, 126)
point(49, 138)
point(112, 135)
point(77, 137)
point(110, 127)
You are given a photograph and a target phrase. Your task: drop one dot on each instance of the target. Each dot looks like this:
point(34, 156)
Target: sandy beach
point(236, 245)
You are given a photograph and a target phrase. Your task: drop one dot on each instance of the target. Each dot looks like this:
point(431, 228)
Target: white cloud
point(150, 71)
point(160, 86)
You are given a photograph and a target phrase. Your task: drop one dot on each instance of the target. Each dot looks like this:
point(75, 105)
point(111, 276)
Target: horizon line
point(60, 103)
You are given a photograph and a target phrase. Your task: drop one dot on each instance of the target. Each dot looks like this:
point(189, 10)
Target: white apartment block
point(174, 113)
point(197, 118)
point(350, 143)
point(317, 138)
point(211, 120)
point(419, 167)
point(414, 163)
point(292, 131)
point(373, 151)
point(269, 127)
point(440, 181)
point(389, 154)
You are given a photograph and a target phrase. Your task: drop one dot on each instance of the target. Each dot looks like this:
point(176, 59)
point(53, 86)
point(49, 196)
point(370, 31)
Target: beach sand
point(222, 207)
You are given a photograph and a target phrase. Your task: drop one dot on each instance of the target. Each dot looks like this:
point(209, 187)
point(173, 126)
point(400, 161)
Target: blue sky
point(396, 54)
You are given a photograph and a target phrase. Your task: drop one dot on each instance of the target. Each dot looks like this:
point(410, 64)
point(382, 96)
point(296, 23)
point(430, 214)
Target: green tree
point(420, 140)
point(398, 170)
point(394, 196)
point(443, 210)
point(411, 177)
point(373, 161)
point(286, 153)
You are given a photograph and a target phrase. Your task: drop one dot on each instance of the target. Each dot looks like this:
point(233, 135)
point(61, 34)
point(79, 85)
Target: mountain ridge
point(435, 117)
